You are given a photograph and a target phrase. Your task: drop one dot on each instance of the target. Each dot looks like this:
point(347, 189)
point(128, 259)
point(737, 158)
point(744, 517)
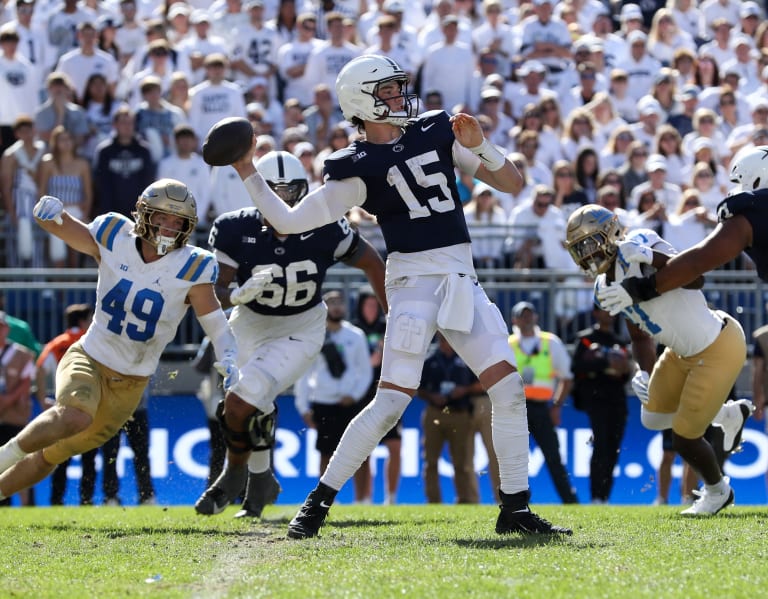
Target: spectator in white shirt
point(82, 62)
point(19, 84)
point(448, 67)
point(641, 68)
point(200, 43)
point(214, 98)
point(292, 60)
point(188, 166)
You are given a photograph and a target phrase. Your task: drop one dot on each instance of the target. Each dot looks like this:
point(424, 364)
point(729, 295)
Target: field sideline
point(373, 551)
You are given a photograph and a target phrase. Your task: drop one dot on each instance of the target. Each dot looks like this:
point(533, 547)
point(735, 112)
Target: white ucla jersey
point(139, 305)
point(679, 319)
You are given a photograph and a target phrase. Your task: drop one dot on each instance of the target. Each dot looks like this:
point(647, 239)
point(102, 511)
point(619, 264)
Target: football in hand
point(227, 141)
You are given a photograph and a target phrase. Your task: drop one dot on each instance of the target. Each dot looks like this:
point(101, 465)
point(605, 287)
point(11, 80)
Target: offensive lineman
point(704, 354)
point(148, 275)
point(279, 320)
point(403, 173)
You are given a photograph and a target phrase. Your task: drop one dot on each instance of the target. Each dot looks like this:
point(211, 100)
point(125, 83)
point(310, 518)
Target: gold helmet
point(170, 197)
point(591, 238)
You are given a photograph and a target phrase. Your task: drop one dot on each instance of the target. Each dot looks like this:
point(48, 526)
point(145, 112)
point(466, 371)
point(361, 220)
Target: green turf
point(373, 551)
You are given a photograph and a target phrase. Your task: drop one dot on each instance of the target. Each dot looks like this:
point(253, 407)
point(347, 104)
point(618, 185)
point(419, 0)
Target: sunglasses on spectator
point(625, 137)
point(704, 174)
point(692, 203)
point(541, 205)
point(707, 121)
point(639, 154)
point(563, 174)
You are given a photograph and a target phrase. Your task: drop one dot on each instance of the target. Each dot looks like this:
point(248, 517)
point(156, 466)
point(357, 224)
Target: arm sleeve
point(324, 205)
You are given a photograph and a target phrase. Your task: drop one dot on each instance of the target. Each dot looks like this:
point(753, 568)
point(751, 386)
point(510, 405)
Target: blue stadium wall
point(179, 454)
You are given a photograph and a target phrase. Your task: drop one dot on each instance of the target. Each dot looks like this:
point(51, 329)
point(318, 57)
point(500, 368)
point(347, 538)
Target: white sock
point(11, 454)
point(718, 488)
point(509, 426)
point(363, 435)
point(259, 461)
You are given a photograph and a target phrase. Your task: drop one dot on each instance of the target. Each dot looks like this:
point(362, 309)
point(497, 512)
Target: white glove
point(633, 252)
point(252, 288)
point(227, 368)
point(640, 385)
point(48, 208)
point(614, 298)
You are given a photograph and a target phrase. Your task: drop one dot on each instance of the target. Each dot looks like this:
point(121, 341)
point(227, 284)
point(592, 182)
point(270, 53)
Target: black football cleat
point(311, 516)
point(262, 490)
point(224, 491)
point(516, 516)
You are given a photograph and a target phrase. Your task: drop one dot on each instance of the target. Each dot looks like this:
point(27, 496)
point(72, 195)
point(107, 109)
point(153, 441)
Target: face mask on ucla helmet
point(169, 197)
point(591, 238)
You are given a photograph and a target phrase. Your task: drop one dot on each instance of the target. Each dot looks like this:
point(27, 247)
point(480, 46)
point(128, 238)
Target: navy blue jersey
point(752, 205)
point(411, 185)
point(301, 260)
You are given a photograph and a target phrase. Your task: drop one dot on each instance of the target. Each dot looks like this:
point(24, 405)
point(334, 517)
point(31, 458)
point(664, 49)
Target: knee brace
point(259, 431)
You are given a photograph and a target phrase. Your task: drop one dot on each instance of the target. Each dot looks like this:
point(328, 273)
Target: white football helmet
point(591, 238)
point(750, 171)
point(170, 197)
point(357, 90)
point(285, 174)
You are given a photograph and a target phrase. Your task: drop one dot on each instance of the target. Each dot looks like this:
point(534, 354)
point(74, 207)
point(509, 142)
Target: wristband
point(489, 155)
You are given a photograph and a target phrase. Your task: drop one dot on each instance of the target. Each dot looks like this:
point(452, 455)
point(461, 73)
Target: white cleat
point(709, 504)
point(734, 416)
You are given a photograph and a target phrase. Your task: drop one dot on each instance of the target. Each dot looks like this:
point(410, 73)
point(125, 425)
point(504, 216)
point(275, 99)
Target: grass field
point(373, 551)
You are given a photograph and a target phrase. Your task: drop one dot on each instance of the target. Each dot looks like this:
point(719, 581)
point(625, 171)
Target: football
point(227, 141)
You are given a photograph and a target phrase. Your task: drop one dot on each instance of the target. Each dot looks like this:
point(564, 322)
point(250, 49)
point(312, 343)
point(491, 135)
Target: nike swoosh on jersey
point(304, 236)
point(426, 128)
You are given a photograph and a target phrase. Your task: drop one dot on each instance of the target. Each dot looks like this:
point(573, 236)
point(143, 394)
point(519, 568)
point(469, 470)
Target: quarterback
point(147, 276)
point(403, 173)
point(704, 349)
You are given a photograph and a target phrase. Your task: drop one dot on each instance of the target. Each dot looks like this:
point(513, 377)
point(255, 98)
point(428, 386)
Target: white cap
point(636, 36)
point(179, 8)
point(649, 105)
point(749, 9)
point(656, 162)
point(630, 11)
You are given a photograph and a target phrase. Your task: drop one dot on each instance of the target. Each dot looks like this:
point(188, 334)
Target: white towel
point(457, 312)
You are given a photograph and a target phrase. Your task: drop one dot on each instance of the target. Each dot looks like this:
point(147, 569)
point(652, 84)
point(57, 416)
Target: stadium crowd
point(638, 108)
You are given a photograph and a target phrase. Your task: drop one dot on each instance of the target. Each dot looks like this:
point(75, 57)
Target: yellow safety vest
point(544, 380)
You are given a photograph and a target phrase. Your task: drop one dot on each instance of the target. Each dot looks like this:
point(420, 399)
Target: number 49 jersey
point(298, 262)
point(410, 184)
point(139, 305)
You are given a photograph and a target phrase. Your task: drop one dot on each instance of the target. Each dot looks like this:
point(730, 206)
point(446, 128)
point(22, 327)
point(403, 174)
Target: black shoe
point(312, 514)
point(262, 489)
point(516, 516)
point(526, 522)
point(224, 491)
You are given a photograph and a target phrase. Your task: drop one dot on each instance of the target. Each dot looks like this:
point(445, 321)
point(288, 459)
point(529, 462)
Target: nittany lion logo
point(16, 78)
